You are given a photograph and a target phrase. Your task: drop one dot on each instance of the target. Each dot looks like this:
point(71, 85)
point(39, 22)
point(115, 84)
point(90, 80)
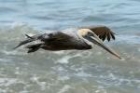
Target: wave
point(17, 32)
point(11, 36)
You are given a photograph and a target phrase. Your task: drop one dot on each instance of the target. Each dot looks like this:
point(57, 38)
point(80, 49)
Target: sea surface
point(90, 71)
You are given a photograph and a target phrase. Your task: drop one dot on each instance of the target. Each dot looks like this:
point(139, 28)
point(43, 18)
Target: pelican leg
point(34, 47)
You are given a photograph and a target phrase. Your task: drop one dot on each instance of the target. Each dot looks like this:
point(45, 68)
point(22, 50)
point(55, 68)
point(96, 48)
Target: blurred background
point(92, 71)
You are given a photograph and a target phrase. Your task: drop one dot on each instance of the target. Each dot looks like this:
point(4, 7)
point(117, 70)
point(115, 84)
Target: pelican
point(82, 38)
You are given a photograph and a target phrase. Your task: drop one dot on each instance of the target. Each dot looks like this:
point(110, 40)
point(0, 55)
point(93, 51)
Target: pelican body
point(79, 39)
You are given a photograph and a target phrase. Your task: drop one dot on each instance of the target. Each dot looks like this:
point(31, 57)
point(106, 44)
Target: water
point(92, 71)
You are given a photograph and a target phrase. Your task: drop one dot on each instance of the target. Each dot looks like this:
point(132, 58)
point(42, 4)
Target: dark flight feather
point(103, 32)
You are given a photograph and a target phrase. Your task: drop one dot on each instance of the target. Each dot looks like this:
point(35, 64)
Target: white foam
point(36, 80)
point(101, 90)
point(17, 24)
point(14, 52)
point(64, 89)
point(139, 49)
point(63, 78)
point(3, 91)
point(64, 60)
point(8, 81)
point(4, 60)
point(59, 52)
point(83, 74)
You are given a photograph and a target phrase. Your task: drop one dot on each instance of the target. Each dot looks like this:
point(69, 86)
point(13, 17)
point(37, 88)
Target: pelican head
point(89, 35)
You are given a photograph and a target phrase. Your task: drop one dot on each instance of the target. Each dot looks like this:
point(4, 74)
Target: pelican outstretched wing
point(103, 32)
point(58, 37)
point(27, 40)
point(50, 38)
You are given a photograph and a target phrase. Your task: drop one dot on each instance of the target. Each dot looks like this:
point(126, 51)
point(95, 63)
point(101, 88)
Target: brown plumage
point(103, 32)
point(79, 39)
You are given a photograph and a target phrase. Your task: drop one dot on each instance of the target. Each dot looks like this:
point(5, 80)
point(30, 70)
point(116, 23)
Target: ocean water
point(90, 71)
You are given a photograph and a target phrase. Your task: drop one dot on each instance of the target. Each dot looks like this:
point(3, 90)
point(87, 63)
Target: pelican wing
point(27, 40)
point(59, 41)
point(59, 37)
point(103, 32)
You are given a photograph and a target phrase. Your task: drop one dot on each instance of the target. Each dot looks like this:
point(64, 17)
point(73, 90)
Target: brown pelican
point(79, 39)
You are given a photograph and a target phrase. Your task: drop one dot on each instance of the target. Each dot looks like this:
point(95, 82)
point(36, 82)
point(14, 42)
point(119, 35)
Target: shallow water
point(91, 71)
